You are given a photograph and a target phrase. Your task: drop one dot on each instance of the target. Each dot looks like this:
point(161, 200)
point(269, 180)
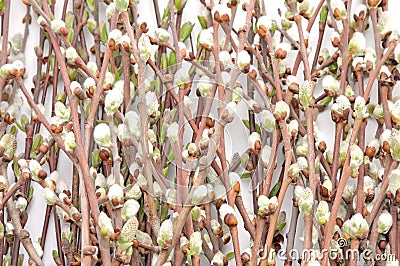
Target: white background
point(237, 134)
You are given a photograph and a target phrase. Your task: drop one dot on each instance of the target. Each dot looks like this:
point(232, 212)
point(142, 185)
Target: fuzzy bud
point(116, 196)
point(113, 101)
point(254, 142)
point(204, 86)
point(267, 206)
point(356, 157)
point(144, 46)
point(268, 122)
point(50, 197)
point(305, 200)
point(385, 222)
point(243, 61)
point(394, 141)
point(357, 44)
point(102, 135)
point(129, 230)
point(282, 110)
point(195, 244)
point(166, 233)
point(105, 224)
point(57, 25)
point(394, 181)
point(322, 213)
point(357, 226)
point(206, 38)
point(305, 94)
point(71, 55)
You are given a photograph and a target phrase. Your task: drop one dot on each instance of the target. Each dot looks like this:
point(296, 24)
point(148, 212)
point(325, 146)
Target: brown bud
point(397, 196)
point(89, 250)
point(42, 174)
point(115, 202)
point(373, 3)
point(262, 31)
point(369, 195)
point(245, 257)
point(218, 203)
point(210, 122)
point(226, 239)
point(336, 42)
point(370, 152)
point(76, 216)
point(249, 166)
point(43, 148)
point(104, 154)
point(135, 243)
point(230, 220)
point(24, 218)
point(322, 146)
point(64, 31)
point(339, 222)
point(386, 147)
point(382, 244)
point(250, 73)
point(236, 187)
point(294, 87)
point(280, 53)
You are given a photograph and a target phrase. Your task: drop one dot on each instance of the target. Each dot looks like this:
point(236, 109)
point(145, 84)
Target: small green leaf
point(244, 159)
point(333, 67)
point(30, 193)
point(164, 212)
point(172, 59)
point(16, 167)
point(13, 130)
point(19, 126)
point(178, 4)
point(272, 93)
point(275, 189)
point(54, 253)
point(258, 129)
point(164, 61)
point(280, 226)
point(323, 14)
point(70, 235)
point(246, 123)
point(96, 160)
point(230, 255)
point(24, 121)
point(281, 222)
point(69, 20)
point(245, 175)
point(326, 100)
point(165, 15)
point(185, 32)
point(20, 259)
point(163, 133)
point(203, 22)
point(61, 97)
point(90, 5)
point(103, 33)
point(165, 171)
point(171, 155)
point(70, 35)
